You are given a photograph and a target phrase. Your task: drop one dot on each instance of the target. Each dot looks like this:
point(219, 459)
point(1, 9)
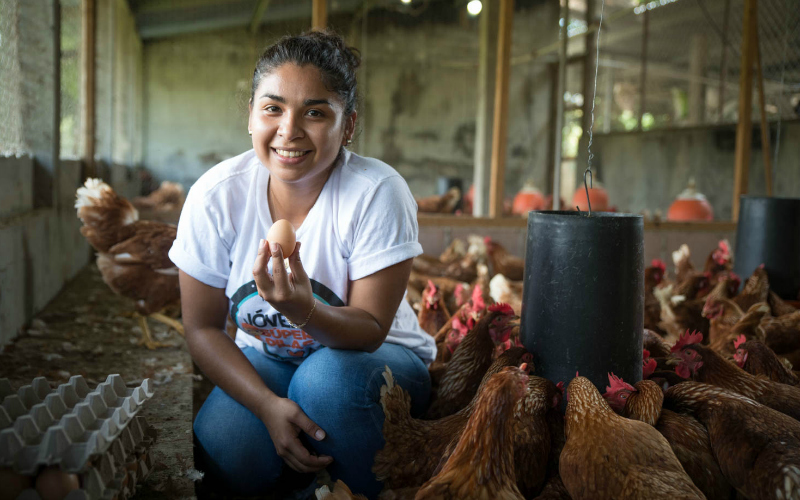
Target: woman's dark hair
point(325, 50)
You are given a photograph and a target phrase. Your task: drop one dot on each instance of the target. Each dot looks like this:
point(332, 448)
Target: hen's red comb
point(431, 286)
point(458, 325)
point(741, 339)
point(687, 339)
point(501, 307)
point(725, 246)
point(560, 387)
point(659, 264)
point(648, 368)
point(645, 354)
point(762, 266)
point(477, 298)
point(487, 240)
point(616, 384)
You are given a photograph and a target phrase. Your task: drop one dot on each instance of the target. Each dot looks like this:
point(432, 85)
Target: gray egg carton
point(93, 433)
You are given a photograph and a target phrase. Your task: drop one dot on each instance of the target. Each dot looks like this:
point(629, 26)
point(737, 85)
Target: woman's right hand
point(285, 421)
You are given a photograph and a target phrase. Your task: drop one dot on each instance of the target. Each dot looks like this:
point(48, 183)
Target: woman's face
point(298, 125)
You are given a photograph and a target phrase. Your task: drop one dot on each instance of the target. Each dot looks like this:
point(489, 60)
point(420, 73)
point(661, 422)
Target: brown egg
point(12, 484)
point(54, 484)
point(282, 233)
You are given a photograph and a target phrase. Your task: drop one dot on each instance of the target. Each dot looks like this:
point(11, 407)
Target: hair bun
point(323, 48)
point(329, 37)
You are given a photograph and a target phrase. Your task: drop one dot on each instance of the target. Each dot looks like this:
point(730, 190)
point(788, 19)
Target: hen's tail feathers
point(93, 189)
point(97, 194)
point(681, 254)
point(392, 395)
point(104, 214)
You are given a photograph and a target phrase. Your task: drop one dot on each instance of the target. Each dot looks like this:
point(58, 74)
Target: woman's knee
point(233, 447)
point(354, 378)
point(334, 375)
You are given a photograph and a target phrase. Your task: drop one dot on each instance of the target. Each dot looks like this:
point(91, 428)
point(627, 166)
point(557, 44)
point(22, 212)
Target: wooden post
point(723, 65)
point(88, 88)
point(500, 126)
point(608, 100)
point(643, 74)
point(487, 65)
point(589, 64)
point(319, 14)
point(258, 15)
point(697, 86)
point(744, 128)
point(765, 142)
point(558, 147)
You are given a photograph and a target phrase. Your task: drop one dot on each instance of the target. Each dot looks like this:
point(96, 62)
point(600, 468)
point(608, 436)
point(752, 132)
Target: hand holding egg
point(289, 293)
point(282, 233)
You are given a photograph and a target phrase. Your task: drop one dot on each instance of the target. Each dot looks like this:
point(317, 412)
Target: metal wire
point(11, 99)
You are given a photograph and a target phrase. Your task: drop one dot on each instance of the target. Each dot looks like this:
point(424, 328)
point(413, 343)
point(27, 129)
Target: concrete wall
point(41, 247)
point(418, 85)
point(647, 170)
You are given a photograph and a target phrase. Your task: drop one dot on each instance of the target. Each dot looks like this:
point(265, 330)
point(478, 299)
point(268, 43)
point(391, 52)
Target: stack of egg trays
point(95, 434)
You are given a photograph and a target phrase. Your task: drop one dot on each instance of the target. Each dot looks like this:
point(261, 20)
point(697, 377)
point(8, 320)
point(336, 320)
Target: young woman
point(301, 384)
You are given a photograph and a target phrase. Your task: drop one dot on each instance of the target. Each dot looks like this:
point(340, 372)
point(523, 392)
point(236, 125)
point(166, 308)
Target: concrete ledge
point(16, 177)
point(40, 249)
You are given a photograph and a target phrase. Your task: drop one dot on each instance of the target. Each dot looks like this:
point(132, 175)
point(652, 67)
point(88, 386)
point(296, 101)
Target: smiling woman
point(313, 337)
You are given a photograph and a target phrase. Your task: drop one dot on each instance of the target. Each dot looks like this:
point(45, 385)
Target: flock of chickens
point(715, 416)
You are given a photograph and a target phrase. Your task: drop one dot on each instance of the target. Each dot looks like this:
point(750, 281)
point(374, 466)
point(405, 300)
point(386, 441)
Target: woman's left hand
point(290, 295)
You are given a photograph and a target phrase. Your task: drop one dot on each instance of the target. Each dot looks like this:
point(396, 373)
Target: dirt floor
point(87, 330)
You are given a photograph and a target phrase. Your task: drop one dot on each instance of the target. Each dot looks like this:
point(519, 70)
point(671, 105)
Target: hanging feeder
point(768, 233)
point(597, 196)
point(690, 205)
point(528, 198)
point(584, 295)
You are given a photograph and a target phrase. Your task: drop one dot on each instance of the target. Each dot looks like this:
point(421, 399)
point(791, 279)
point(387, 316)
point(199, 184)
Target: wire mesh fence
point(71, 64)
point(675, 63)
point(11, 135)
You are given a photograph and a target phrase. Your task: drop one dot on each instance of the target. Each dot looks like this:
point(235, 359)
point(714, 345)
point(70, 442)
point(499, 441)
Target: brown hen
point(653, 276)
point(687, 437)
point(504, 263)
point(611, 457)
point(782, 334)
point(466, 368)
point(440, 204)
point(433, 313)
point(132, 254)
point(755, 290)
point(757, 359)
point(757, 448)
point(482, 464)
point(532, 435)
point(400, 464)
point(723, 315)
point(702, 364)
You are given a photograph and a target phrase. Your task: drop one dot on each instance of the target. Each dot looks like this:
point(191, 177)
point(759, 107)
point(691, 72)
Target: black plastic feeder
point(768, 233)
point(583, 295)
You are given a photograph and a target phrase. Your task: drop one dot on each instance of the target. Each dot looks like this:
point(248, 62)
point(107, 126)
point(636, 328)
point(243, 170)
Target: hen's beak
point(672, 360)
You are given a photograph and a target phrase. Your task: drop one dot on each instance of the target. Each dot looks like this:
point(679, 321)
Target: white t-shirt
point(364, 220)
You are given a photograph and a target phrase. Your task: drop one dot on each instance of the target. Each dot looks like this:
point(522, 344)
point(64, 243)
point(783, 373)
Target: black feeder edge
point(768, 233)
point(583, 291)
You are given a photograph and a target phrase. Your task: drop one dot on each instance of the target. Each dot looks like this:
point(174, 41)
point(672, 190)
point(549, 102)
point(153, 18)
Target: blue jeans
point(338, 389)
